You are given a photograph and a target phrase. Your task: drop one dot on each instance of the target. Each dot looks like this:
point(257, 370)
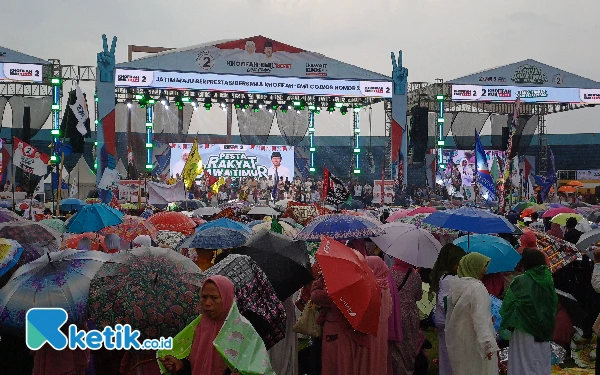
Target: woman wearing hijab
point(410, 290)
point(342, 346)
point(528, 312)
point(377, 355)
point(84, 244)
point(528, 241)
point(470, 335)
point(216, 299)
point(556, 231)
point(443, 271)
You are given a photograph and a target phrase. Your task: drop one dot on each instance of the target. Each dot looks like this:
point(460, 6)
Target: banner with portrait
point(29, 159)
point(237, 161)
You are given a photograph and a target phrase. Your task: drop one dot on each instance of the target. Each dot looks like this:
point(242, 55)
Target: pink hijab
point(204, 358)
point(556, 231)
point(385, 280)
point(528, 240)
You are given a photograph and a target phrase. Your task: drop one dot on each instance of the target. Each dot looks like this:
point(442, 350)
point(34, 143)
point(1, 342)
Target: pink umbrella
point(560, 210)
point(422, 210)
point(398, 215)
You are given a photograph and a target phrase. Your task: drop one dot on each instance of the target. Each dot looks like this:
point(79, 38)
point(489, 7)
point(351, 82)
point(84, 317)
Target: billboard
point(21, 72)
point(475, 93)
point(237, 160)
point(461, 177)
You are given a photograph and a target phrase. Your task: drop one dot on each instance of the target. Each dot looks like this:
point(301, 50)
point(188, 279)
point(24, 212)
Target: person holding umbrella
point(470, 334)
point(377, 362)
point(217, 296)
point(443, 271)
point(528, 314)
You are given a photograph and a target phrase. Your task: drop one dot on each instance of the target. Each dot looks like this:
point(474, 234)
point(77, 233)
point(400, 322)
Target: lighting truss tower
point(311, 133)
point(356, 139)
point(542, 142)
point(387, 108)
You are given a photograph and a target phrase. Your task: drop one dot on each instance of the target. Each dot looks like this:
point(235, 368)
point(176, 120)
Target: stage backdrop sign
point(20, 72)
point(236, 160)
point(593, 174)
point(129, 190)
point(388, 190)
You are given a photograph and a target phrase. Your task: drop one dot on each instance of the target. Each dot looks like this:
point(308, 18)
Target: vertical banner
point(105, 86)
point(399, 103)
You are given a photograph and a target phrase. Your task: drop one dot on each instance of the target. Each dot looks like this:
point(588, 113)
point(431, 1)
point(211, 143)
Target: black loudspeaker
point(27, 125)
point(505, 134)
point(419, 132)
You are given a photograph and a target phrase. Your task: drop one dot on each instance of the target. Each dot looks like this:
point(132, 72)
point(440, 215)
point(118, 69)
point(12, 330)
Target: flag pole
point(31, 200)
point(13, 177)
point(59, 184)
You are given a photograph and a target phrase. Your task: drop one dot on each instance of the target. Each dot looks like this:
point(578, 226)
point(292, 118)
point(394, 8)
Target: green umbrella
point(55, 224)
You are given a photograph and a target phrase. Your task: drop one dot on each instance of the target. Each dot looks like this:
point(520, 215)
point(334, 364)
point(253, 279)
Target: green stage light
point(95, 143)
point(439, 97)
point(339, 105)
point(56, 107)
point(343, 110)
point(442, 166)
point(357, 150)
point(55, 132)
point(357, 171)
point(139, 96)
point(237, 103)
point(207, 103)
point(357, 130)
point(149, 125)
point(313, 169)
point(255, 107)
point(148, 145)
point(441, 120)
point(56, 81)
point(441, 143)
point(53, 158)
point(149, 166)
point(313, 149)
point(356, 109)
point(186, 99)
point(96, 122)
point(311, 130)
point(274, 105)
point(151, 101)
point(96, 99)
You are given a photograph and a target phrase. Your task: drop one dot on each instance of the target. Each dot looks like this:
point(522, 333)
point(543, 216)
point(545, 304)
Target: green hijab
point(531, 301)
point(472, 264)
point(449, 256)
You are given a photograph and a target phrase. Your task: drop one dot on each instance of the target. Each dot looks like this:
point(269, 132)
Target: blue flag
point(484, 178)
point(61, 147)
point(275, 182)
point(546, 182)
point(64, 185)
point(163, 162)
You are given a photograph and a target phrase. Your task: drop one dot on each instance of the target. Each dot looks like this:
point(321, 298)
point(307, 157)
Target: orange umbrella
point(575, 183)
point(351, 284)
point(72, 241)
point(131, 227)
point(567, 189)
point(175, 221)
point(538, 189)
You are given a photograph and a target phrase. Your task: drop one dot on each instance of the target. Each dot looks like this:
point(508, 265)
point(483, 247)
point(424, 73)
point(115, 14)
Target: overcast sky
point(439, 38)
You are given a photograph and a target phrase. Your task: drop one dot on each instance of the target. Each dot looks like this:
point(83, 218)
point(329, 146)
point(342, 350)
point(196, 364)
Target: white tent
point(121, 169)
point(83, 178)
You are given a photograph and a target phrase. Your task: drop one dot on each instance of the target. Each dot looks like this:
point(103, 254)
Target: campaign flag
point(484, 178)
point(210, 179)
point(164, 194)
point(109, 180)
point(29, 159)
point(39, 189)
point(74, 188)
point(546, 182)
point(217, 185)
point(63, 148)
point(335, 192)
point(193, 166)
point(80, 110)
point(63, 185)
point(163, 165)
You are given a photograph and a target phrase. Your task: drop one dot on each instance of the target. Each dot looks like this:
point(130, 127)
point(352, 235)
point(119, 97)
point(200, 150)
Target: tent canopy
point(12, 56)
point(527, 73)
point(256, 55)
point(83, 173)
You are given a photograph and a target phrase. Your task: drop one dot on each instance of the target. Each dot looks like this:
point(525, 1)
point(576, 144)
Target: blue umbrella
point(215, 238)
point(340, 227)
point(60, 280)
point(71, 204)
point(10, 253)
point(471, 220)
point(93, 217)
point(224, 223)
point(504, 257)
point(495, 306)
point(255, 222)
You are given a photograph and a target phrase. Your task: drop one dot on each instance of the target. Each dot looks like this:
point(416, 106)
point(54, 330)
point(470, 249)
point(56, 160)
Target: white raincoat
point(470, 334)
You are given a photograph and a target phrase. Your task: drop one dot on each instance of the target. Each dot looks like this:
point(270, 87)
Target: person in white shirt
point(262, 183)
point(277, 169)
point(466, 173)
point(358, 191)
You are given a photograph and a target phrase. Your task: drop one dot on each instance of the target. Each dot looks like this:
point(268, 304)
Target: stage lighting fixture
point(166, 104)
point(274, 105)
point(223, 103)
point(343, 110)
point(339, 105)
point(128, 103)
point(179, 102)
point(356, 109)
point(195, 103)
point(237, 103)
point(260, 103)
point(163, 99)
point(303, 105)
point(255, 107)
point(144, 100)
point(331, 107)
point(207, 103)
point(288, 104)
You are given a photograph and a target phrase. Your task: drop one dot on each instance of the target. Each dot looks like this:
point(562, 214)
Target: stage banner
point(232, 160)
point(29, 159)
point(388, 191)
point(20, 72)
point(593, 174)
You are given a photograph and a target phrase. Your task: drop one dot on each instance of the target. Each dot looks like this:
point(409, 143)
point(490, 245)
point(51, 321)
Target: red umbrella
point(175, 221)
point(422, 210)
point(72, 241)
point(398, 215)
point(351, 284)
point(560, 210)
point(131, 227)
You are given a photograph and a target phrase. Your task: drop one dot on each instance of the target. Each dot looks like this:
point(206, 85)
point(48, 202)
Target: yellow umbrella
point(561, 219)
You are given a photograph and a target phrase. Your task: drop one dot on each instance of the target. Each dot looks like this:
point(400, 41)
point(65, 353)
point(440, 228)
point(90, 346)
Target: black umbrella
point(191, 204)
point(284, 261)
point(573, 308)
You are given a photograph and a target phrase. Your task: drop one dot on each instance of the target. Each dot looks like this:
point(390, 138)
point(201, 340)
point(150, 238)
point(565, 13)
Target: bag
point(307, 324)
point(596, 326)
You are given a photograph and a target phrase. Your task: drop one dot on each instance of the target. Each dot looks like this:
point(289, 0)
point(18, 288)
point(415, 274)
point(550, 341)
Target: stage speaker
point(505, 135)
point(419, 132)
point(27, 124)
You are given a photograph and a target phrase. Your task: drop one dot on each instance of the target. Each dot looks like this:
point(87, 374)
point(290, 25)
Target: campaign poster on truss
point(237, 161)
point(388, 191)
